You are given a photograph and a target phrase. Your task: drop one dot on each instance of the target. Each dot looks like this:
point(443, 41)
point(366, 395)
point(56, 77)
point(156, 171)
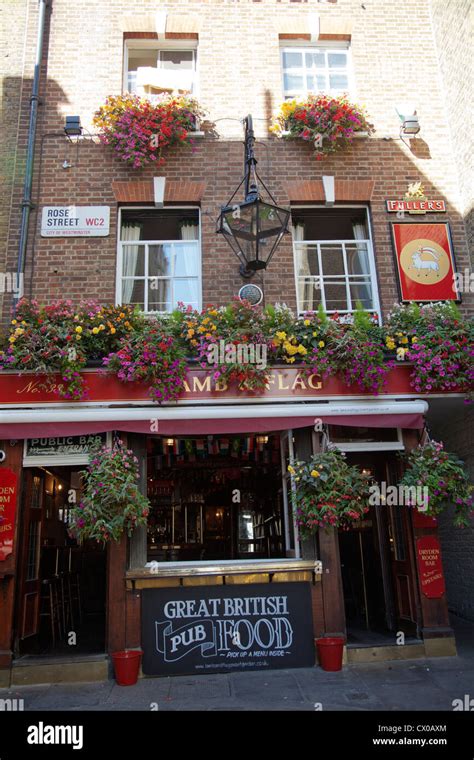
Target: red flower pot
point(126, 666)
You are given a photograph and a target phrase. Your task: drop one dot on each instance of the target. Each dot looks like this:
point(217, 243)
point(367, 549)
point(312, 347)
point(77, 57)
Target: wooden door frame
point(27, 481)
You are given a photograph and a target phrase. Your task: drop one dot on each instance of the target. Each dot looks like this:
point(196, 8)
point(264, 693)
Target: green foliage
point(329, 492)
point(444, 476)
point(111, 501)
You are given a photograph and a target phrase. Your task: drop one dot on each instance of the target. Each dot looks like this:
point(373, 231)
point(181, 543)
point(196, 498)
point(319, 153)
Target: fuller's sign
point(8, 488)
point(429, 567)
point(416, 206)
point(75, 221)
point(215, 629)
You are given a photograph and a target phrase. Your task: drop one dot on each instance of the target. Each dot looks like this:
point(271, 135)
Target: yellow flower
point(122, 315)
point(12, 339)
point(291, 469)
point(315, 335)
point(414, 339)
point(101, 327)
point(404, 340)
point(23, 322)
point(95, 330)
point(113, 330)
point(306, 322)
point(302, 350)
point(401, 353)
point(280, 335)
point(190, 333)
point(78, 337)
point(290, 359)
point(314, 474)
point(213, 312)
point(321, 344)
point(79, 329)
point(14, 321)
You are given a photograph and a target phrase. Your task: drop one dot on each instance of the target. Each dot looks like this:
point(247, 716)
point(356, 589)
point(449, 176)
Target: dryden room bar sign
point(243, 627)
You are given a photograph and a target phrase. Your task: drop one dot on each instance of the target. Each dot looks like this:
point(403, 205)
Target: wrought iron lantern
point(253, 228)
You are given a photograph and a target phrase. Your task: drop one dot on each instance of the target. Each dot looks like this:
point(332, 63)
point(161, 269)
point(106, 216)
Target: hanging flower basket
point(330, 493)
point(445, 479)
point(140, 129)
point(329, 123)
point(111, 501)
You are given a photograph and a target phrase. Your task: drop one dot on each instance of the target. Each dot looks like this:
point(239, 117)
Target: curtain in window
point(130, 232)
point(188, 230)
point(363, 290)
point(304, 269)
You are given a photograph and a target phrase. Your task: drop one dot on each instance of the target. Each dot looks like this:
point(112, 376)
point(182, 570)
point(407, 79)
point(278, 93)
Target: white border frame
point(118, 270)
point(372, 267)
point(397, 445)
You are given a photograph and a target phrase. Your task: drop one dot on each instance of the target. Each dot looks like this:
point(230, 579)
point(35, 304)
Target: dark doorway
point(61, 587)
point(377, 604)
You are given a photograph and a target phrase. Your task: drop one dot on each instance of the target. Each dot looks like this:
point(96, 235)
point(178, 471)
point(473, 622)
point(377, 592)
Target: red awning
point(12, 431)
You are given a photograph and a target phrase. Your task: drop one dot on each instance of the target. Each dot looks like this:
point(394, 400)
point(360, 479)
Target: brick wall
point(14, 20)
point(239, 71)
point(454, 54)
point(458, 543)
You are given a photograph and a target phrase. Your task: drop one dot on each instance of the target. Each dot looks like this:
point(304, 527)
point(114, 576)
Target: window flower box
point(329, 123)
point(139, 129)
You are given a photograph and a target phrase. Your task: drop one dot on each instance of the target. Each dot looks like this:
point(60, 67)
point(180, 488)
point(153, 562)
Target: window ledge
point(358, 135)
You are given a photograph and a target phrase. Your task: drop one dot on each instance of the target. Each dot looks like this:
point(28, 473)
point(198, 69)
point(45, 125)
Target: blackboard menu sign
point(220, 629)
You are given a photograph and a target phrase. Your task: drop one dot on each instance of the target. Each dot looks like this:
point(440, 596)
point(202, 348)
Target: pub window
point(159, 259)
point(217, 498)
point(308, 70)
point(151, 69)
point(334, 261)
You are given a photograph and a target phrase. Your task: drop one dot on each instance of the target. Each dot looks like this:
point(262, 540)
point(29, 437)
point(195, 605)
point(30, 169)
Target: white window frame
point(161, 45)
point(326, 47)
point(372, 274)
point(120, 243)
point(397, 445)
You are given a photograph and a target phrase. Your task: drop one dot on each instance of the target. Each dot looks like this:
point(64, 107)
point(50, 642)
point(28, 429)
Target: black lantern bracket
point(255, 227)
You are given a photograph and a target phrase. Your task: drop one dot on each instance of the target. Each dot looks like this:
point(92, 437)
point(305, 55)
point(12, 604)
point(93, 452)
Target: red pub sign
point(8, 488)
point(428, 553)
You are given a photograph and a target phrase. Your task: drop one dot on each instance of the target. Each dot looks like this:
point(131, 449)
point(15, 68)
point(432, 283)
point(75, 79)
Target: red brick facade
point(239, 68)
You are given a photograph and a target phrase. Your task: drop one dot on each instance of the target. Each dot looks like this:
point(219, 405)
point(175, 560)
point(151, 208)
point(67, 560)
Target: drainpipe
point(26, 203)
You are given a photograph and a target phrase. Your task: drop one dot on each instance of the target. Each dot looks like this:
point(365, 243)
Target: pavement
point(428, 684)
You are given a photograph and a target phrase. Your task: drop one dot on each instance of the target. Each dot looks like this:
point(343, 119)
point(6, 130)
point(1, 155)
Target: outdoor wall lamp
point(410, 125)
point(254, 227)
point(72, 127)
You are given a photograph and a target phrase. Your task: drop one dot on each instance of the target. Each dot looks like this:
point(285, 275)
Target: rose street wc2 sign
point(215, 629)
point(75, 221)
